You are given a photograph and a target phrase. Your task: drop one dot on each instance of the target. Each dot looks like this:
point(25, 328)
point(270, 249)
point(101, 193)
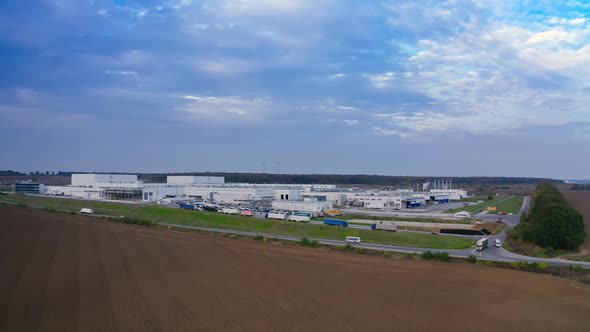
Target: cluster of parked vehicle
point(259, 212)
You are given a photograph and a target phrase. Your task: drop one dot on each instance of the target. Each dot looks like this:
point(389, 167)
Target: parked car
point(498, 243)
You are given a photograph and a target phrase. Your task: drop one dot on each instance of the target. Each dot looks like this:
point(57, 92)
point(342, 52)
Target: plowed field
point(72, 273)
point(580, 200)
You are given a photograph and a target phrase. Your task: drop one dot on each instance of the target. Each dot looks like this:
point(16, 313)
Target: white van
point(498, 243)
point(353, 239)
point(86, 211)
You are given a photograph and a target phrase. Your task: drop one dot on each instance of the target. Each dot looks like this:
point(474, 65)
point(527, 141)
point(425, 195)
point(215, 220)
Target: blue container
point(336, 222)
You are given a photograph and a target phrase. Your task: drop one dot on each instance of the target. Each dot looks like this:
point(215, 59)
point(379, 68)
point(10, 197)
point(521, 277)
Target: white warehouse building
point(229, 194)
point(303, 206)
point(208, 180)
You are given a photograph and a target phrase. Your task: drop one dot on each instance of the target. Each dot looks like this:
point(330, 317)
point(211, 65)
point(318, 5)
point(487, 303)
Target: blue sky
point(464, 87)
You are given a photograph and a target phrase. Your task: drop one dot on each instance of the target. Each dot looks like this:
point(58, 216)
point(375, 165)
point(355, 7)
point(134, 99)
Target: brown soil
point(74, 273)
point(580, 200)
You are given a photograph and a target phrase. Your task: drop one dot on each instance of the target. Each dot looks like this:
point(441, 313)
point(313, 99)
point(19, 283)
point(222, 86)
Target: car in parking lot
point(498, 244)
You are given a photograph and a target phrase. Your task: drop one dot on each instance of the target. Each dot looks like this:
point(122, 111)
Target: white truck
point(295, 217)
point(277, 215)
point(353, 239)
point(385, 226)
point(230, 211)
point(86, 211)
point(481, 244)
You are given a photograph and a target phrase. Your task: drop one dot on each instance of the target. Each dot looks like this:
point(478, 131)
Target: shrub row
point(309, 243)
point(133, 221)
point(436, 256)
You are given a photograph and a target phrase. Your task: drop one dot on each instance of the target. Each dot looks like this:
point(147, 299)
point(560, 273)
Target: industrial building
point(29, 188)
point(304, 206)
point(290, 197)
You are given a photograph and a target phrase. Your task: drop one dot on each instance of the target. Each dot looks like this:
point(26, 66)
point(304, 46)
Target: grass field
point(217, 220)
point(475, 209)
point(511, 205)
point(361, 216)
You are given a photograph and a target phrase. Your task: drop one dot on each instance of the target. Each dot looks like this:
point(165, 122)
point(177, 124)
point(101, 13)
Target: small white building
point(287, 194)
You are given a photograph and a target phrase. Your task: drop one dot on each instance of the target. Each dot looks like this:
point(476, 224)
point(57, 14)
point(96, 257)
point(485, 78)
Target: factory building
point(195, 180)
point(29, 188)
point(376, 201)
point(454, 195)
point(287, 194)
point(335, 197)
point(229, 194)
point(104, 180)
point(303, 206)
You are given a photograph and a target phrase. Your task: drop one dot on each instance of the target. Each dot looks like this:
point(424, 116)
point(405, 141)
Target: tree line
point(338, 179)
point(552, 222)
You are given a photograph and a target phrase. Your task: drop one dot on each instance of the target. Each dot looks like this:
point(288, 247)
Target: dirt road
point(74, 273)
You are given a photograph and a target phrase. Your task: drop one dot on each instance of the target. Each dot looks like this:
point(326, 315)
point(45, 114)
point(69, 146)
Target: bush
point(314, 244)
point(542, 266)
point(305, 242)
point(490, 197)
point(348, 247)
point(258, 237)
point(436, 256)
point(428, 255)
point(73, 213)
point(471, 259)
point(22, 204)
point(443, 256)
point(49, 209)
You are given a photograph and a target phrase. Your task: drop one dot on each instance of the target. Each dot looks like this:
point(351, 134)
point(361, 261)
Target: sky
point(441, 88)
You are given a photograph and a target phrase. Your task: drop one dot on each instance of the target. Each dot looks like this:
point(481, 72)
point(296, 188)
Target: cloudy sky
point(463, 87)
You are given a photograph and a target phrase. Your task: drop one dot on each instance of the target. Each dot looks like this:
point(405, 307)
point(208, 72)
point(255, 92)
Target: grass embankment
point(249, 224)
point(475, 209)
point(510, 205)
point(391, 218)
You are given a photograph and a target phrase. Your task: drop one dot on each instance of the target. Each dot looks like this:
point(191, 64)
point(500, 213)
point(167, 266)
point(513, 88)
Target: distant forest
point(352, 179)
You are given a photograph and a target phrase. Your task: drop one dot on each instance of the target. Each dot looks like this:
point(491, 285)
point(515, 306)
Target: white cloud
point(339, 75)
point(348, 108)
point(208, 108)
point(381, 81)
point(351, 122)
point(226, 66)
point(121, 72)
point(388, 132)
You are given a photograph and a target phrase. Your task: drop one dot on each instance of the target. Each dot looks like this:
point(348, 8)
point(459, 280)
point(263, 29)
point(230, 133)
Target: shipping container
point(187, 206)
point(384, 225)
point(335, 222)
